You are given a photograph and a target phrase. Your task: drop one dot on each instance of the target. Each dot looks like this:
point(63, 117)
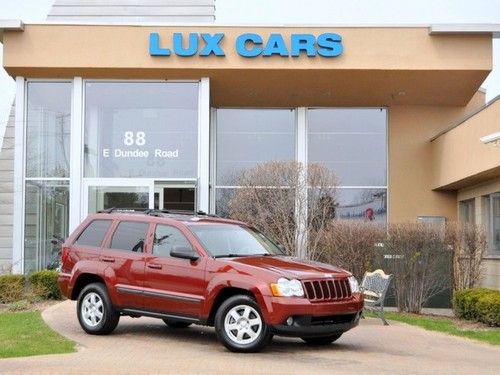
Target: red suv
point(197, 268)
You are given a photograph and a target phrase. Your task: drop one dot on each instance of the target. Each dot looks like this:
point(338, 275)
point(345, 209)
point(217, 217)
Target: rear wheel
point(176, 323)
point(324, 340)
point(95, 311)
point(240, 326)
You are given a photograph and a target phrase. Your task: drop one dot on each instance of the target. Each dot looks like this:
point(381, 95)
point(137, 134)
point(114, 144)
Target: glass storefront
point(352, 143)
point(140, 145)
point(48, 121)
point(141, 129)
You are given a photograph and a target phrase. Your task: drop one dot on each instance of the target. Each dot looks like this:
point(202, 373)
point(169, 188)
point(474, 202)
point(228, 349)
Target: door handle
point(154, 266)
point(108, 259)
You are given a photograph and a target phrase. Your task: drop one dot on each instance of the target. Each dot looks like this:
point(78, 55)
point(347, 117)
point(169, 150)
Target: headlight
point(287, 288)
point(354, 284)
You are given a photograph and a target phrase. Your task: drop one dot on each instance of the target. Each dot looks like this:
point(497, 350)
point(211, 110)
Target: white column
point(18, 225)
point(301, 201)
point(203, 145)
point(76, 155)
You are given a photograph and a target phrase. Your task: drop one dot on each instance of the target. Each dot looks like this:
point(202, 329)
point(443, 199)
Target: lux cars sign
point(247, 45)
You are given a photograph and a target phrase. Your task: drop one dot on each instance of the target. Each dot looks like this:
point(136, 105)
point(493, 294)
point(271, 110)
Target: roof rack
point(155, 212)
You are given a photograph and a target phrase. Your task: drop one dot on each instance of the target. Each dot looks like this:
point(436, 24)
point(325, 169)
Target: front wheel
point(324, 340)
point(240, 326)
point(95, 311)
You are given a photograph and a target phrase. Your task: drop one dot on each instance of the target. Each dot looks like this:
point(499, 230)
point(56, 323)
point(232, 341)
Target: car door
point(173, 285)
point(123, 262)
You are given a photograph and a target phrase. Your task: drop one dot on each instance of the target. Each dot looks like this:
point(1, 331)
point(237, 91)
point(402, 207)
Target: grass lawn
point(450, 326)
point(25, 333)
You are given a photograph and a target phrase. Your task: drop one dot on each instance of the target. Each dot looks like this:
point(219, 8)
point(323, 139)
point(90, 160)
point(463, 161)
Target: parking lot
point(144, 345)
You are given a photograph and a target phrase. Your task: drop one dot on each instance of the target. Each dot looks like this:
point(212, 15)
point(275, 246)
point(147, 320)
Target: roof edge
point(467, 117)
point(466, 28)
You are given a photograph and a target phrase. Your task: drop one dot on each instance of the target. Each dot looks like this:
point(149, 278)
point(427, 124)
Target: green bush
point(44, 284)
point(11, 288)
point(479, 304)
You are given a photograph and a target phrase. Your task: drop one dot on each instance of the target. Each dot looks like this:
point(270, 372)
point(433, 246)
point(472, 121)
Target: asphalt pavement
point(147, 346)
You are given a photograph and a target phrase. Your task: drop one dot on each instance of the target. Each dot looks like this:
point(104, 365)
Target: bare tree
point(352, 244)
point(420, 262)
point(469, 246)
point(290, 203)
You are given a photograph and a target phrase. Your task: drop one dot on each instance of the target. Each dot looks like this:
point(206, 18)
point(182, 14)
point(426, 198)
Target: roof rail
point(155, 212)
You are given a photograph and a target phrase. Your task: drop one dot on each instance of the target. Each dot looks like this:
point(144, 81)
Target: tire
point(323, 340)
point(240, 326)
point(95, 311)
point(176, 323)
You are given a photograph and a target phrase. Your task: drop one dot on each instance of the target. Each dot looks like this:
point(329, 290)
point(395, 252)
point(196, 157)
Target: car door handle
point(155, 266)
point(108, 259)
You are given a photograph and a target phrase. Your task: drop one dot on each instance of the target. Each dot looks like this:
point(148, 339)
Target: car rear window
point(94, 233)
point(130, 235)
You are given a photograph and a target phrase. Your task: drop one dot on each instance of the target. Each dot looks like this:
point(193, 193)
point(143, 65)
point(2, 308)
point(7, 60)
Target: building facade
point(130, 114)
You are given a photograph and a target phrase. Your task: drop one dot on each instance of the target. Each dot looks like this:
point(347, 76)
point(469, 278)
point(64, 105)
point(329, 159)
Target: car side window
point(94, 233)
point(166, 237)
point(130, 236)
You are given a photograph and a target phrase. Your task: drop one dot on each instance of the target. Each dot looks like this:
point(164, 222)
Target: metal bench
point(374, 286)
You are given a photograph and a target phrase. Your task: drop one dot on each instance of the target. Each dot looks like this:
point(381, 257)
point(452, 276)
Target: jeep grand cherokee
point(199, 269)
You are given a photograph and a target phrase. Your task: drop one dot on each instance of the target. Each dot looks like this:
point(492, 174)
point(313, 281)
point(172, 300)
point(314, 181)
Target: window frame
point(155, 226)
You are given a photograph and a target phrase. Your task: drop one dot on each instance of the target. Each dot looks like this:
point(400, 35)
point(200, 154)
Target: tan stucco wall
point(460, 157)
point(377, 64)
point(411, 160)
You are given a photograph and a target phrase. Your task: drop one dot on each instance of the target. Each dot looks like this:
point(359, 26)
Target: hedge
point(44, 284)
point(11, 288)
point(479, 304)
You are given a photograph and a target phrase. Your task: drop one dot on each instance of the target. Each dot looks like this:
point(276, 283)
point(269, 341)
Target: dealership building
point(161, 107)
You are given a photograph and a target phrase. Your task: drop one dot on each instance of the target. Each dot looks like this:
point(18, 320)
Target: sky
point(325, 12)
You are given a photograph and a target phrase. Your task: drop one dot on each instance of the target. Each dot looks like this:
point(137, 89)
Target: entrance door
point(102, 194)
point(175, 196)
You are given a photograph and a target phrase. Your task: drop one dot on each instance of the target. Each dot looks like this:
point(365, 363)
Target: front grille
point(327, 290)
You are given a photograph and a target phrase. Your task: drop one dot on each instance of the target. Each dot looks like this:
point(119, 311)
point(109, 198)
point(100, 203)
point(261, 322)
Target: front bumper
point(312, 319)
point(307, 326)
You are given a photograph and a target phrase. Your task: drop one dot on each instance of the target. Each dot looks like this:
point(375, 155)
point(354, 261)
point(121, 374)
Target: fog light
point(289, 321)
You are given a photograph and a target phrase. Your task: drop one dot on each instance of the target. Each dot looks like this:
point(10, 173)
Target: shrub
point(469, 246)
point(44, 284)
point(11, 288)
point(420, 261)
point(478, 304)
point(351, 244)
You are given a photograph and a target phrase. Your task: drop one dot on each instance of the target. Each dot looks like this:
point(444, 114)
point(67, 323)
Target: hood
point(292, 268)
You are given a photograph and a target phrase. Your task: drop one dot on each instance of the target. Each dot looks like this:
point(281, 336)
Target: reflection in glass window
point(467, 211)
point(364, 204)
point(130, 235)
point(495, 222)
point(166, 237)
point(247, 137)
point(141, 129)
point(351, 142)
point(46, 215)
point(130, 197)
point(48, 129)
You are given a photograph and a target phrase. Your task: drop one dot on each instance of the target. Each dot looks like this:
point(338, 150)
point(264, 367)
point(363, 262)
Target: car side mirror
point(184, 252)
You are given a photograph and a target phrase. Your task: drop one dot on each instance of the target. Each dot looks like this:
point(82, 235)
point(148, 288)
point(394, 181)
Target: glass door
point(102, 194)
point(180, 195)
point(126, 194)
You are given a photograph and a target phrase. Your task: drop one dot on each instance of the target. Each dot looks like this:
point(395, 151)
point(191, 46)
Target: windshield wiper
point(234, 255)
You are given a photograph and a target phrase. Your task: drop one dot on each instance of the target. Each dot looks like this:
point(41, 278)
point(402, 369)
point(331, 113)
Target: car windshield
point(230, 240)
